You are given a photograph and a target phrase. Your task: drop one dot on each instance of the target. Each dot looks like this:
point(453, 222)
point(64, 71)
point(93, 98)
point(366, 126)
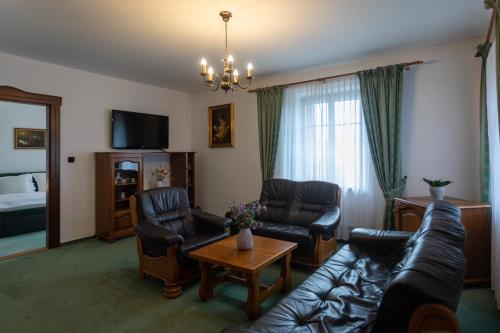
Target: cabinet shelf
point(122, 211)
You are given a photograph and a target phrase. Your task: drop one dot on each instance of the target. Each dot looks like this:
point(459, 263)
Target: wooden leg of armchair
point(172, 290)
point(173, 287)
point(164, 267)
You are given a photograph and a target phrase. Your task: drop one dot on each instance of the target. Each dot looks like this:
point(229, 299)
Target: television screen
point(132, 130)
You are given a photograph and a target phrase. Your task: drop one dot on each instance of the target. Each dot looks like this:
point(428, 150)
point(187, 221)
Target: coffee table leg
point(285, 272)
point(206, 289)
point(253, 303)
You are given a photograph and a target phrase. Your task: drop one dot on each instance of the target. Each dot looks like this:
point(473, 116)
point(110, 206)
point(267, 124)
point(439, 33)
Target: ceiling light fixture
point(229, 80)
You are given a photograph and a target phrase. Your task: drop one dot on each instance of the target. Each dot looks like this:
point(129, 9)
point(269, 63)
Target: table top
point(225, 253)
point(425, 201)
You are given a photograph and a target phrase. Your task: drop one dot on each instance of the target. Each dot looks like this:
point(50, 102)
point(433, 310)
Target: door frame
point(53, 105)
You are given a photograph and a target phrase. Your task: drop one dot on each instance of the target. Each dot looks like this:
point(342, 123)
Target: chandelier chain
point(225, 50)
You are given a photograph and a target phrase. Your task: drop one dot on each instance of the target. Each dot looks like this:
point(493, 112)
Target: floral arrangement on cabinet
point(160, 175)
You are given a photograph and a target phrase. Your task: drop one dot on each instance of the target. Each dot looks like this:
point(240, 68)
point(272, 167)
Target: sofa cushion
point(290, 233)
point(341, 296)
point(276, 195)
point(311, 200)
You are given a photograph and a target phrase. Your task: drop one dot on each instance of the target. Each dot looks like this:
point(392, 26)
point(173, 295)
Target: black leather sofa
point(167, 230)
point(377, 281)
point(306, 213)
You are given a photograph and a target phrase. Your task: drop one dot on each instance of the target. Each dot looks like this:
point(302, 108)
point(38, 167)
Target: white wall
point(87, 100)
point(440, 126)
point(17, 115)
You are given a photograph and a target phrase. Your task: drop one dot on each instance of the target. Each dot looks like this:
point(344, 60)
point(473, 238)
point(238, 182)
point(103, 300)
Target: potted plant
point(160, 173)
point(436, 187)
point(244, 219)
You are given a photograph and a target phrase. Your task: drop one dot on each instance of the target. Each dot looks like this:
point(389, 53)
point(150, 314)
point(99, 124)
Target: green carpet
point(21, 243)
point(92, 286)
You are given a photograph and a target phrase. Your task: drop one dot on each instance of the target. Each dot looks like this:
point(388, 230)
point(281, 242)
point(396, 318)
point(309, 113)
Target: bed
point(21, 213)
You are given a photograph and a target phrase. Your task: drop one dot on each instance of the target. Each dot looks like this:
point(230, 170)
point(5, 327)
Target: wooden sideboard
point(118, 175)
point(476, 218)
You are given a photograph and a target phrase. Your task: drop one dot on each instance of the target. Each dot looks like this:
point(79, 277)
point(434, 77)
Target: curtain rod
point(321, 79)
point(490, 27)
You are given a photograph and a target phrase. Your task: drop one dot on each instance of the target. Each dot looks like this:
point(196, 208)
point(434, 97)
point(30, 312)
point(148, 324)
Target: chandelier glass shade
point(229, 79)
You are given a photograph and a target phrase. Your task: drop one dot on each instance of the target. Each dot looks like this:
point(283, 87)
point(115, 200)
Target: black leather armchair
point(167, 230)
point(306, 213)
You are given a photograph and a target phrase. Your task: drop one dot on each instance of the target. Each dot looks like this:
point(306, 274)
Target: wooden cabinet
point(182, 173)
point(476, 218)
point(118, 175)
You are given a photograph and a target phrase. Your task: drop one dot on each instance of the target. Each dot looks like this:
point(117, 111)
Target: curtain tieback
point(395, 192)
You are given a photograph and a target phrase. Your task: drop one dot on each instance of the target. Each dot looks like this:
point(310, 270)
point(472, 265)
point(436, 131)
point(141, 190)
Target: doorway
point(29, 172)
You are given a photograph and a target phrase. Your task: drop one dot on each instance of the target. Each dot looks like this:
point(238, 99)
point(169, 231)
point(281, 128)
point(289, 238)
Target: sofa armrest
point(379, 241)
point(210, 222)
point(326, 224)
point(157, 235)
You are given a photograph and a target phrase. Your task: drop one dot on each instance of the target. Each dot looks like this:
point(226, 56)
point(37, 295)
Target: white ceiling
point(160, 42)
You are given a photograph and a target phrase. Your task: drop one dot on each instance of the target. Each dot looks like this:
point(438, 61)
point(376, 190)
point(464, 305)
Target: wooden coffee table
point(243, 267)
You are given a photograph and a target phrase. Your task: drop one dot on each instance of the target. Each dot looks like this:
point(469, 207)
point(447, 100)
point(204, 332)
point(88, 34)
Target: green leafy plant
point(437, 182)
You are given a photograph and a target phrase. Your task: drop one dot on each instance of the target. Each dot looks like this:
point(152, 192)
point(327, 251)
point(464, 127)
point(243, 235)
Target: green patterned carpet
point(92, 286)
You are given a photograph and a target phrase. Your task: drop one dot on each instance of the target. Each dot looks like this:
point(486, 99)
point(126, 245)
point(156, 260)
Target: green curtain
point(495, 5)
point(269, 102)
point(482, 51)
point(381, 91)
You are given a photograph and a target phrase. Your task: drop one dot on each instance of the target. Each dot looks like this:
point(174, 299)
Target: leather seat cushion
point(287, 232)
point(195, 241)
point(341, 296)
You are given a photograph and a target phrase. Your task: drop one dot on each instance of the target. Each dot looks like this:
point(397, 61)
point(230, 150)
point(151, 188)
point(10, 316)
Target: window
point(322, 137)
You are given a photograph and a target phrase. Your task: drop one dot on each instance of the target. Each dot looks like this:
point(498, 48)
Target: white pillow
point(17, 184)
point(41, 181)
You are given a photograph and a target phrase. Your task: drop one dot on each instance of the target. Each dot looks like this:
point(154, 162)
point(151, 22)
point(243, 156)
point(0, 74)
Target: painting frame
point(218, 137)
point(37, 138)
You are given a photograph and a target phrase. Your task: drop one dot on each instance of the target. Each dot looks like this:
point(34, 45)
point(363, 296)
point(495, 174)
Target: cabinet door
point(127, 180)
point(122, 220)
point(409, 219)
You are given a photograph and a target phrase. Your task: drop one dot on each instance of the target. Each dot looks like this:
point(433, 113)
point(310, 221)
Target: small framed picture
point(221, 126)
point(29, 138)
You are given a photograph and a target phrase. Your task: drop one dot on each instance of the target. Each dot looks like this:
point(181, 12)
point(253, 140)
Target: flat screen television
point(132, 130)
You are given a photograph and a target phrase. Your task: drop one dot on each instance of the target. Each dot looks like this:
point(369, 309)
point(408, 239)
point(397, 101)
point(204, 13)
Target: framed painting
point(29, 138)
point(221, 126)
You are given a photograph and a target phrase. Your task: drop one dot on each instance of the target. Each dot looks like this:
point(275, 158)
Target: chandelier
point(229, 79)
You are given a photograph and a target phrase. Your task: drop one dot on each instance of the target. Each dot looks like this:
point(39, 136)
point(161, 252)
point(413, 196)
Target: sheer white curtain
point(494, 142)
point(323, 137)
